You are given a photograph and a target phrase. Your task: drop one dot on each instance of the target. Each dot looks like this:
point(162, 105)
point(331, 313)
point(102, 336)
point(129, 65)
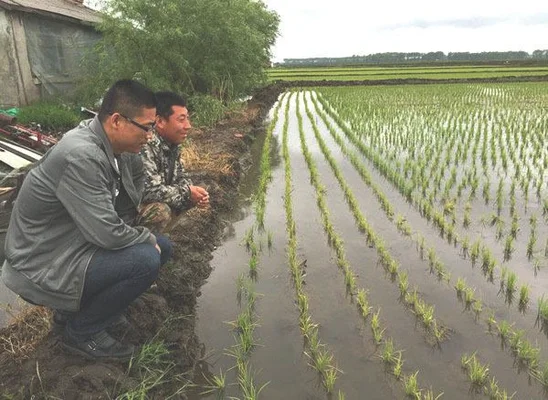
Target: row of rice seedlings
point(244, 328)
point(478, 374)
point(524, 352)
point(321, 358)
point(246, 322)
point(265, 168)
point(489, 263)
point(420, 308)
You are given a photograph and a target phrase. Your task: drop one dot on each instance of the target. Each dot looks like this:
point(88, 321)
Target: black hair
point(165, 102)
point(127, 97)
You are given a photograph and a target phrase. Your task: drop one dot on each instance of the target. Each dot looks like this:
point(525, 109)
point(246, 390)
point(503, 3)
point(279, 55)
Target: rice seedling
point(306, 325)
point(542, 312)
point(469, 296)
point(508, 247)
point(475, 251)
point(388, 353)
point(411, 297)
point(524, 295)
point(429, 395)
point(465, 245)
point(215, 385)
point(411, 386)
point(477, 373)
point(541, 374)
point(246, 382)
point(269, 240)
point(491, 321)
point(500, 229)
point(329, 379)
point(467, 215)
point(511, 282)
point(526, 352)
point(477, 307)
point(531, 245)
point(514, 227)
point(403, 283)
point(438, 331)
point(393, 268)
point(504, 328)
point(249, 238)
point(428, 315)
point(460, 286)
point(398, 364)
point(363, 303)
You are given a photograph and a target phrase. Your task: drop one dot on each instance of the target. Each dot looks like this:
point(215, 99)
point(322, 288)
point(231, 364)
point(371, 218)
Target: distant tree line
point(415, 57)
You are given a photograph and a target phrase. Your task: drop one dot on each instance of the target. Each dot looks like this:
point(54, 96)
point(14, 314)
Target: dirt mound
point(32, 362)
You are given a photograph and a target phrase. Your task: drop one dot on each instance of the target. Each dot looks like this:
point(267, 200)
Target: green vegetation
point(51, 116)
point(148, 41)
point(384, 73)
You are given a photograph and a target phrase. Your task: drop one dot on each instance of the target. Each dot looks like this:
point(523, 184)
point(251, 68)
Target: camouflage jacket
point(165, 178)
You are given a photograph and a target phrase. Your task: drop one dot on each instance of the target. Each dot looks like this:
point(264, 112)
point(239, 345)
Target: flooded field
point(396, 245)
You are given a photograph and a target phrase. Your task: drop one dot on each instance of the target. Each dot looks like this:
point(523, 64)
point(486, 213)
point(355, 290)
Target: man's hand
point(199, 196)
point(158, 248)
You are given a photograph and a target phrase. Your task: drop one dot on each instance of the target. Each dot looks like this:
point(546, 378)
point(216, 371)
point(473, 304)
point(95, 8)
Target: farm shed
point(41, 45)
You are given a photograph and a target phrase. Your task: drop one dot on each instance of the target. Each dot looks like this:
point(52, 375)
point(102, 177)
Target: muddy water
point(467, 336)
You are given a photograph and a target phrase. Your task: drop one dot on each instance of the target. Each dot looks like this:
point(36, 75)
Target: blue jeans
point(114, 279)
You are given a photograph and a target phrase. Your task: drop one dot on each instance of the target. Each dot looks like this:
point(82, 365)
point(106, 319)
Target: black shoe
point(99, 346)
point(59, 321)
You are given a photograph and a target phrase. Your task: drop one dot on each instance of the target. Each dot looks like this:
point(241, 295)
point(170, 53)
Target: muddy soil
point(32, 362)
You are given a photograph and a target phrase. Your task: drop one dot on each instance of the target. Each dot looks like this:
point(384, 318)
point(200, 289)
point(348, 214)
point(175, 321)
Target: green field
point(422, 72)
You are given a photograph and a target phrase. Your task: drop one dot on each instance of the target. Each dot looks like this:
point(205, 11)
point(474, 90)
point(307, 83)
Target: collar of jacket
point(164, 143)
point(97, 128)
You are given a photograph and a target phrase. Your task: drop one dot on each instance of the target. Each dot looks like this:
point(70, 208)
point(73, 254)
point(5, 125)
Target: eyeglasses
point(146, 128)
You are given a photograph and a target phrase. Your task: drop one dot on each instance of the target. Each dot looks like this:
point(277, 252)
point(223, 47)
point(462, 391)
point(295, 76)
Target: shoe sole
point(75, 351)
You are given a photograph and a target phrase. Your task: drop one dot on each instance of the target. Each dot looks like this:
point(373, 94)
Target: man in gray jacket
point(68, 245)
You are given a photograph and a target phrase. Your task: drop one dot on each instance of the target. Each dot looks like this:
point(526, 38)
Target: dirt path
point(32, 363)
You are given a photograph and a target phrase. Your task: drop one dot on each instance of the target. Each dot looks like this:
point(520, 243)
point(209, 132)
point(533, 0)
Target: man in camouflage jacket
point(168, 188)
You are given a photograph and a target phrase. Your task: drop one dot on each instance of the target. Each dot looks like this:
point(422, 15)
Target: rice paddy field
point(395, 246)
point(405, 72)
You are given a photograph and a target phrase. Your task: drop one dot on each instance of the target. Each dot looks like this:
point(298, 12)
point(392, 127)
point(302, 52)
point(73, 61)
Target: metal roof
point(62, 8)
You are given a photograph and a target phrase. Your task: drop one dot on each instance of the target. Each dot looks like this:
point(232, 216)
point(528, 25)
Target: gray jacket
point(65, 211)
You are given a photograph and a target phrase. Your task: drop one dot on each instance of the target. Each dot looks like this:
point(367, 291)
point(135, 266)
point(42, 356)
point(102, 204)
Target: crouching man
point(67, 247)
point(168, 189)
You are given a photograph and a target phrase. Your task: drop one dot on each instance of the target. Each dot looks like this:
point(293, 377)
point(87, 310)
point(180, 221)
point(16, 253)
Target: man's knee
point(147, 261)
point(166, 246)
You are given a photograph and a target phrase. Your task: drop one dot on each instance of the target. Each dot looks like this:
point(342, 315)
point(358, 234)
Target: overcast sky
point(319, 28)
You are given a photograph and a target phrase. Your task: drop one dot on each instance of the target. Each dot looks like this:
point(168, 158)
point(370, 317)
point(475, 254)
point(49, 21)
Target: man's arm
point(84, 192)
point(176, 195)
